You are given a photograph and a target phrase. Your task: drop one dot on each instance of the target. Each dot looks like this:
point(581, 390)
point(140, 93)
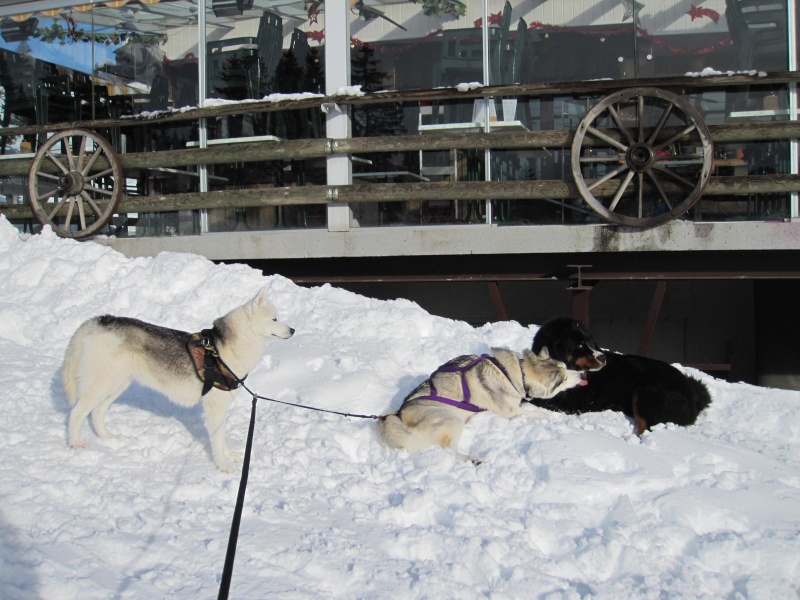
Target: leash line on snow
point(314, 408)
point(230, 554)
point(240, 383)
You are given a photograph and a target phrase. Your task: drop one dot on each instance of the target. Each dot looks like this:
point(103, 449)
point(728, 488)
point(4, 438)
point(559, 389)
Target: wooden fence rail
point(686, 84)
point(316, 148)
point(305, 149)
point(399, 192)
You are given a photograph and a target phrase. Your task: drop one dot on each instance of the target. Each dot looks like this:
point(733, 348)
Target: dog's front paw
point(234, 457)
point(469, 458)
point(78, 445)
point(531, 410)
point(226, 467)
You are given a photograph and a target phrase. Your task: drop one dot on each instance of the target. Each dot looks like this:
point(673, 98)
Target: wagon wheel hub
point(72, 183)
point(640, 157)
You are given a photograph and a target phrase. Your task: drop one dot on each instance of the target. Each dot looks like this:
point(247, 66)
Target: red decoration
point(495, 19)
point(316, 36)
point(313, 12)
point(72, 27)
point(699, 13)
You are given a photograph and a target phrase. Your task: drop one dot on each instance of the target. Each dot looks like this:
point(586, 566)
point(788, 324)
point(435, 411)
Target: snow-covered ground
point(564, 507)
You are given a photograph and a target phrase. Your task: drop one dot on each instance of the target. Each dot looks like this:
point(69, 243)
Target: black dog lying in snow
point(647, 390)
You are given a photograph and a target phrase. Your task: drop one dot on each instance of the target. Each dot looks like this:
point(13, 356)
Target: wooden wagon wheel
point(75, 183)
point(641, 157)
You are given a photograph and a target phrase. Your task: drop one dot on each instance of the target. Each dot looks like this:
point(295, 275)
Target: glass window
point(117, 58)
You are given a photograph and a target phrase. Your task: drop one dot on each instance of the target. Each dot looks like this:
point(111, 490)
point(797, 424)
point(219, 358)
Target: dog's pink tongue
point(582, 383)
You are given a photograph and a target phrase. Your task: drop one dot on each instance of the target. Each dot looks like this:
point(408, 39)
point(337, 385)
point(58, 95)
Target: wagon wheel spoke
point(49, 194)
point(640, 118)
point(70, 209)
point(100, 174)
point(602, 159)
point(103, 191)
point(661, 122)
point(640, 194)
point(607, 177)
point(81, 212)
point(659, 136)
point(59, 205)
point(618, 120)
point(621, 190)
point(682, 180)
point(70, 158)
point(695, 157)
point(662, 194)
point(91, 203)
point(61, 166)
point(87, 171)
point(90, 164)
point(49, 176)
point(675, 138)
point(609, 140)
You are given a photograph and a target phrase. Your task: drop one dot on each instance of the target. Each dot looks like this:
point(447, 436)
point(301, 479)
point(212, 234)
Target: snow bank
point(567, 507)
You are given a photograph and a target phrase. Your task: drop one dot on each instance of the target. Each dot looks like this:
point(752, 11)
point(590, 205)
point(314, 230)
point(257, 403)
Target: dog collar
point(208, 365)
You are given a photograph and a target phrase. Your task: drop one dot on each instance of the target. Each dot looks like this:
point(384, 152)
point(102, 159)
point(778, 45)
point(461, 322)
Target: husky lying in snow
point(435, 413)
point(106, 354)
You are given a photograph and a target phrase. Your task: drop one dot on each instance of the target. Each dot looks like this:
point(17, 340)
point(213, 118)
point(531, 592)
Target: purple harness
point(450, 368)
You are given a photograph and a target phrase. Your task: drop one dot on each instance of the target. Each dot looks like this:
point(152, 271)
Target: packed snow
point(563, 507)
point(712, 72)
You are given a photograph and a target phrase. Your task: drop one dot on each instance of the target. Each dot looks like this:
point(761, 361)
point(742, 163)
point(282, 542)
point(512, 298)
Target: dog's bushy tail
point(70, 370)
point(393, 432)
point(700, 395)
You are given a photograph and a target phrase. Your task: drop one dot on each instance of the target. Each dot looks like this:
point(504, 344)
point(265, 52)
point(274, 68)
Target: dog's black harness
point(211, 370)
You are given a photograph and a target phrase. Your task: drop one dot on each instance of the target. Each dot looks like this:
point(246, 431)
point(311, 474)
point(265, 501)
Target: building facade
point(681, 262)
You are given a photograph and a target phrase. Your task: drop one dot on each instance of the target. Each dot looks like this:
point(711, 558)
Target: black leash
point(227, 571)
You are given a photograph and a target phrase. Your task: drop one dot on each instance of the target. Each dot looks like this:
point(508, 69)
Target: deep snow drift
point(564, 507)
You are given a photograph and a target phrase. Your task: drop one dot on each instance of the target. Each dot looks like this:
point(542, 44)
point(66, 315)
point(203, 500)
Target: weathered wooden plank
point(401, 192)
point(315, 148)
point(279, 103)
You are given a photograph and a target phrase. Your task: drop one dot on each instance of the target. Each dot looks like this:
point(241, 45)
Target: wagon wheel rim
point(641, 157)
point(75, 183)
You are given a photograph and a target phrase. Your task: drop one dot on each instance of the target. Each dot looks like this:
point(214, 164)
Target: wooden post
point(652, 318)
point(580, 306)
point(580, 296)
point(497, 300)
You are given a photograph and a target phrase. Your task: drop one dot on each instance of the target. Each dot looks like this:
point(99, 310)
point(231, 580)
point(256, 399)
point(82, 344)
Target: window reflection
point(131, 57)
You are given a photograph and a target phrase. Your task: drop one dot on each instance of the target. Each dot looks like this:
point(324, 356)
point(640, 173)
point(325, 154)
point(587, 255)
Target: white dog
point(106, 354)
point(435, 413)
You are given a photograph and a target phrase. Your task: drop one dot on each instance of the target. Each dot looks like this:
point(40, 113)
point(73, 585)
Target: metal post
point(794, 104)
point(337, 118)
point(201, 96)
point(487, 153)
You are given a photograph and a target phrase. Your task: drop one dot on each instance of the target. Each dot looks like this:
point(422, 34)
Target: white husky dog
point(434, 414)
point(106, 354)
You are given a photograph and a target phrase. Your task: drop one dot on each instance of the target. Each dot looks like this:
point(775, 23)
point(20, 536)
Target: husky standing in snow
point(435, 413)
point(106, 354)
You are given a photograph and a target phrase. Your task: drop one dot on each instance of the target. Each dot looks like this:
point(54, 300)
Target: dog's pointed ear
point(261, 297)
point(544, 353)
